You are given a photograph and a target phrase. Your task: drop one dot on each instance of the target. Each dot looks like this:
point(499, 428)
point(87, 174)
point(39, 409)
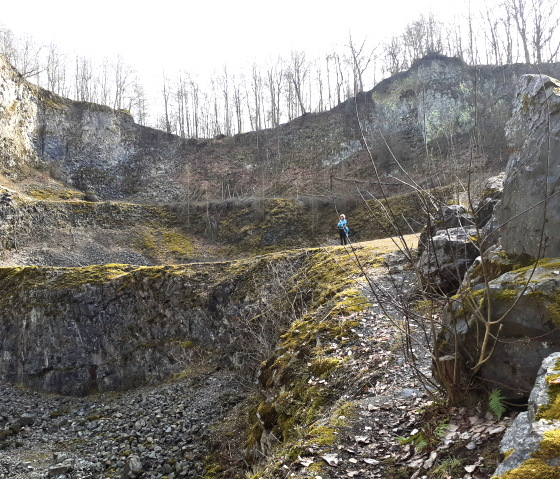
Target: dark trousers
point(343, 236)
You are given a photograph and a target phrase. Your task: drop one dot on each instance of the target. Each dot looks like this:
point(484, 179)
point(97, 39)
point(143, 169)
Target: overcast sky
point(203, 35)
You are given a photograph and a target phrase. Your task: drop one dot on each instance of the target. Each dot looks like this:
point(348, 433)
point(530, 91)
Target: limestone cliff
point(92, 147)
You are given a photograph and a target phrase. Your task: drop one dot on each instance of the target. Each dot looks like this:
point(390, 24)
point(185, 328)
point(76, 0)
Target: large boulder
point(533, 170)
point(530, 446)
point(529, 333)
point(448, 257)
point(447, 247)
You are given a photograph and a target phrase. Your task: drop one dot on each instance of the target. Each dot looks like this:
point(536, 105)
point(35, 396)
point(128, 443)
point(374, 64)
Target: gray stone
point(447, 256)
point(527, 178)
point(492, 195)
point(26, 421)
point(62, 468)
point(524, 436)
point(132, 468)
point(515, 362)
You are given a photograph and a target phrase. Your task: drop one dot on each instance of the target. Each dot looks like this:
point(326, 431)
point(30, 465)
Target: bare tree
point(359, 61)
point(519, 11)
point(138, 105)
point(166, 105)
point(297, 73)
point(123, 74)
point(104, 82)
point(274, 81)
point(238, 103)
point(545, 22)
point(83, 79)
point(394, 60)
point(56, 70)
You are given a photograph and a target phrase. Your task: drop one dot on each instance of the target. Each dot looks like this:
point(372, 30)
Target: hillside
point(429, 108)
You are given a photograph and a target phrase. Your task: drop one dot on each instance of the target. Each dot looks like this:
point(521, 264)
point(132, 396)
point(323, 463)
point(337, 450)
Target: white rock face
point(18, 113)
point(96, 148)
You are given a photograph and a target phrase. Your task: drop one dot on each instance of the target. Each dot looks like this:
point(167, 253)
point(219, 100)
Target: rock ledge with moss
point(532, 445)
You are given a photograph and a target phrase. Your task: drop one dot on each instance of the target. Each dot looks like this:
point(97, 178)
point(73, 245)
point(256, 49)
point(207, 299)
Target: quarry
point(153, 325)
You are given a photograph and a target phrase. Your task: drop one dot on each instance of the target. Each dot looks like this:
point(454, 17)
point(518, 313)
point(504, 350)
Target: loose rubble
point(147, 433)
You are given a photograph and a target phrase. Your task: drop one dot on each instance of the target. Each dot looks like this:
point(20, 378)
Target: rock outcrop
point(533, 170)
point(511, 237)
point(97, 149)
point(526, 335)
point(114, 327)
point(531, 446)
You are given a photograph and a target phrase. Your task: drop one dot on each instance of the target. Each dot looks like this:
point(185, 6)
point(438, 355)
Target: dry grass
point(390, 245)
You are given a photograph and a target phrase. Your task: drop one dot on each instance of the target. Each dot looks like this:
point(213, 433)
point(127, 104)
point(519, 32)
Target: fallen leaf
point(370, 461)
point(470, 468)
point(353, 461)
point(331, 459)
point(352, 473)
point(362, 439)
point(305, 461)
point(555, 381)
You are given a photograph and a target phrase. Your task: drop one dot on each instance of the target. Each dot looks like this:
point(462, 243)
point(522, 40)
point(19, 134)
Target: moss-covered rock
point(529, 332)
point(531, 447)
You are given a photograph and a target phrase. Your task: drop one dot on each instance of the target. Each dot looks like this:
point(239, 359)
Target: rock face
point(528, 178)
point(491, 197)
point(97, 149)
point(531, 444)
point(528, 334)
point(78, 330)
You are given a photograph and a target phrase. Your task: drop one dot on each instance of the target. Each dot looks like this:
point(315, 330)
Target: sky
point(170, 36)
point(201, 36)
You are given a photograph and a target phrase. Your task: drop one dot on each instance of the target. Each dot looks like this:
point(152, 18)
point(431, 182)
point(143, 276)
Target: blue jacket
point(342, 225)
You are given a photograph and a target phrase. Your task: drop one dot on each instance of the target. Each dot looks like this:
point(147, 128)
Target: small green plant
point(418, 440)
point(441, 430)
point(496, 404)
point(428, 437)
point(446, 468)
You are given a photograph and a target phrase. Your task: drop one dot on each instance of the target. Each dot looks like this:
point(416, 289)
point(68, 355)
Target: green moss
point(533, 469)
point(554, 309)
point(254, 436)
point(322, 366)
point(506, 295)
point(177, 243)
point(267, 414)
point(547, 263)
point(550, 445)
point(536, 296)
point(147, 243)
point(552, 410)
point(322, 435)
point(52, 194)
point(508, 453)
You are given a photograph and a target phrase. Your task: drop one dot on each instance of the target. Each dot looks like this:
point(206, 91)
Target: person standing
point(343, 230)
